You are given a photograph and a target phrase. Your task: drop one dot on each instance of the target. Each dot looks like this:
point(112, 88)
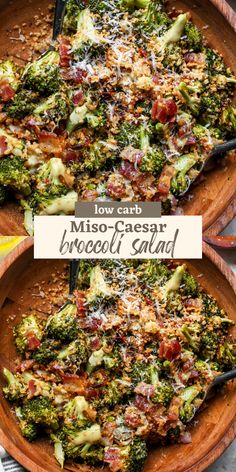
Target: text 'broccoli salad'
point(126, 364)
point(127, 107)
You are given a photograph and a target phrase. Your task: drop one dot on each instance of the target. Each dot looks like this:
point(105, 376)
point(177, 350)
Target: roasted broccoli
point(192, 37)
point(73, 412)
point(99, 289)
point(73, 8)
point(49, 203)
point(9, 75)
point(29, 430)
point(192, 334)
point(153, 271)
point(76, 353)
point(28, 334)
point(14, 174)
point(180, 182)
point(226, 355)
point(87, 36)
point(190, 285)
point(40, 411)
point(55, 108)
point(76, 438)
point(23, 104)
point(133, 455)
point(189, 406)
point(42, 75)
point(15, 388)
point(51, 175)
point(210, 107)
point(175, 32)
point(152, 18)
point(14, 146)
point(128, 134)
point(83, 276)
point(154, 158)
point(214, 62)
point(228, 120)
point(47, 351)
point(164, 393)
point(190, 98)
point(209, 344)
point(173, 284)
point(63, 324)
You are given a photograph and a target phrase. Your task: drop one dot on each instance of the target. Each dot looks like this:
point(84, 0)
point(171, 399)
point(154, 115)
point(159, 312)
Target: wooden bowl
point(215, 427)
point(212, 196)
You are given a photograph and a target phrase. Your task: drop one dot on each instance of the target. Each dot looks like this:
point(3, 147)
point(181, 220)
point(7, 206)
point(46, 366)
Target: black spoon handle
point(60, 7)
point(74, 264)
point(222, 148)
point(224, 377)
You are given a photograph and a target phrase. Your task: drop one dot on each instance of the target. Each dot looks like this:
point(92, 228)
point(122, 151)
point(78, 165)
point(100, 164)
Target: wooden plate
point(215, 427)
point(211, 197)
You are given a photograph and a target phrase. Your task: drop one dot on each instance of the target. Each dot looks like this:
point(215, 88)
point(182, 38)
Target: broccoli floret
point(73, 8)
point(164, 393)
point(174, 34)
point(188, 409)
point(47, 351)
point(210, 306)
point(193, 38)
point(8, 73)
point(23, 104)
point(95, 360)
point(98, 289)
point(50, 175)
point(129, 134)
point(226, 356)
point(190, 285)
point(14, 174)
point(51, 203)
point(209, 344)
point(154, 158)
point(14, 145)
point(152, 271)
point(15, 388)
point(75, 438)
point(228, 120)
point(28, 334)
point(86, 36)
point(191, 101)
point(173, 284)
point(180, 182)
point(55, 108)
point(203, 134)
point(76, 353)
point(112, 395)
point(42, 75)
point(59, 452)
point(76, 118)
point(192, 335)
point(214, 62)
point(140, 373)
point(40, 411)
point(29, 430)
point(63, 324)
point(42, 388)
point(97, 118)
point(83, 276)
point(210, 108)
point(152, 19)
point(4, 192)
point(133, 455)
point(73, 412)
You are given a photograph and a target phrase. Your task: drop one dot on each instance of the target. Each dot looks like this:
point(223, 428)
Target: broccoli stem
point(174, 34)
point(184, 90)
point(174, 282)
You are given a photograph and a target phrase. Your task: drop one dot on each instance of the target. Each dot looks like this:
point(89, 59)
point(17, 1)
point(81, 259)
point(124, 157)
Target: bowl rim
point(216, 450)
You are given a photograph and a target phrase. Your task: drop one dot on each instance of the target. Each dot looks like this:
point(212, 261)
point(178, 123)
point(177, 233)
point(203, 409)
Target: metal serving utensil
point(74, 265)
point(217, 151)
point(217, 381)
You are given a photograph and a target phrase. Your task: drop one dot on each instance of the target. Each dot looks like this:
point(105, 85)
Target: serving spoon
point(217, 151)
point(73, 270)
point(231, 374)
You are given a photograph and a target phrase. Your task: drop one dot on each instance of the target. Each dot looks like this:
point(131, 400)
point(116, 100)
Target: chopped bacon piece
point(142, 403)
point(3, 145)
point(89, 195)
point(93, 392)
point(95, 343)
point(78, 97)
point(32, 387)
point(51, 143)
point(145, 389)
point(191, 140)
point(80, 299)
point(64, 51)
point(165, 178)
point(6, 91)
point(93, 323)
point(144, 183)
point(75, 73)
point(128, 170)
point(169, 349)
point(132, 155)
point(143, 53)
point(71, 155)
point(164, 110)
point(32, 342)
point(112, 456)
point(133, 419)
point(25, 365)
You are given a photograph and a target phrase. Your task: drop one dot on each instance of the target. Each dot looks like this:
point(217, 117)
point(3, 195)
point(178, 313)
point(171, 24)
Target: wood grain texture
point(215, 427)
point(227, 11)
point(209, 198)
